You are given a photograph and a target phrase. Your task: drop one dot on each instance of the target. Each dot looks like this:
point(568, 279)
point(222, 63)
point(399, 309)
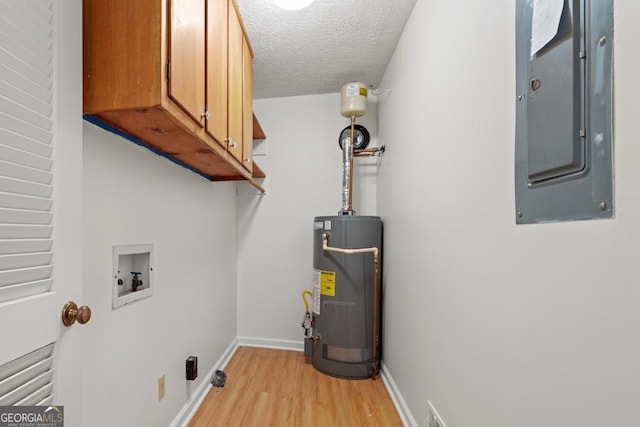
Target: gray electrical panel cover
point(563, 152)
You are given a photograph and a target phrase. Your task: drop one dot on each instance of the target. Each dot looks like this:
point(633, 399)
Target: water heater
point(346, 295)
point(342, 331)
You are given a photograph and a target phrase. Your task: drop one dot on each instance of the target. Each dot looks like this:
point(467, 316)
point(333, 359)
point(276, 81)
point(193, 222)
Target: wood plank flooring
point(267, 387)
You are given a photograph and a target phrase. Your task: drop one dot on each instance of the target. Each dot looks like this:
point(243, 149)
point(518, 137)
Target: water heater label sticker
point(317, 225)
point(328, 283)
point(316, 292)
point(327, 225)
point(352, 89)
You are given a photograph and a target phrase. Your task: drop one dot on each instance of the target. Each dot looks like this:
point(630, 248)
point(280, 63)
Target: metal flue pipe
point(347, 173)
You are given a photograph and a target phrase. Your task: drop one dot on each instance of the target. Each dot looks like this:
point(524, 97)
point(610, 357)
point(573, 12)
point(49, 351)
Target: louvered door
point(40, 119)
point(28, 379)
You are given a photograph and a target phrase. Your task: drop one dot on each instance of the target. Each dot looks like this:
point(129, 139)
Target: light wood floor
point(267, 387)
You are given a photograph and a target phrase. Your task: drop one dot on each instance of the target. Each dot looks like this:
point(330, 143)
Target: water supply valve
point(135, 282)
point(307, 325)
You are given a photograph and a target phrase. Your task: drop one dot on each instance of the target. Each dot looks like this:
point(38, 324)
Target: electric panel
point(563, 154)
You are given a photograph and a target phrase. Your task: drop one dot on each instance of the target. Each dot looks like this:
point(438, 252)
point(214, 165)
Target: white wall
point(500, 325)
point(304, 179)
point(132, 196)
point(68, 206)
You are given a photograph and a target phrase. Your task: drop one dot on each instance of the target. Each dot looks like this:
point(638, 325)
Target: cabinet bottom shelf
point(156, 130)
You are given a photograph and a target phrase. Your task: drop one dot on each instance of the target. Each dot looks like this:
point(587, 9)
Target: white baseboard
point(189, 409)
point(271, 343)
point(398, 400)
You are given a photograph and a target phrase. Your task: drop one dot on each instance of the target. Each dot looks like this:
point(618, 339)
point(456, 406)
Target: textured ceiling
point(320, 48)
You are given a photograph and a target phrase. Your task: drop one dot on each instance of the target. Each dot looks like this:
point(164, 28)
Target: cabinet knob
point(205, 115)
point(232, 143)
point(246, 160)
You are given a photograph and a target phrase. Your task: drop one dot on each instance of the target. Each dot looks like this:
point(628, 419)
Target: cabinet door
point(235, 83)
point(217, 39)
point(247, 106)
point(187, 56)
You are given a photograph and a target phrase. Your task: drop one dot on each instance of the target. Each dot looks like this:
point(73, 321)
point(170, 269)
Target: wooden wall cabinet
point(229, 94)
point(166, 74)
point(186, 60)
point(218, 70)
point(247, 106)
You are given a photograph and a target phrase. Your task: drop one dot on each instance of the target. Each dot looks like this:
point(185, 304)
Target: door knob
point(71, 313)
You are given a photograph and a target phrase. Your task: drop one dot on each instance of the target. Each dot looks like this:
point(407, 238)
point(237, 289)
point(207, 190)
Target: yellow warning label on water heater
point(328, 283)
point(363, 91)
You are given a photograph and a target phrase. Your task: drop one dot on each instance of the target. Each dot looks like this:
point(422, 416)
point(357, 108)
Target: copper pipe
point(374, 341)
point(369, 152)
point(353, 126)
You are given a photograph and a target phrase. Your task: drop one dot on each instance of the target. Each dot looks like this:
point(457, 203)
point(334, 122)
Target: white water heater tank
point(353, 99)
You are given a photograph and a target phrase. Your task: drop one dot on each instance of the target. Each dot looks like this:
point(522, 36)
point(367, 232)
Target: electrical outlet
point(160, 388)
point(434, 418)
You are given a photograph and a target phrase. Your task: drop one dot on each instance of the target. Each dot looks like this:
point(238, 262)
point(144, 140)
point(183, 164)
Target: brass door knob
point(71, 313)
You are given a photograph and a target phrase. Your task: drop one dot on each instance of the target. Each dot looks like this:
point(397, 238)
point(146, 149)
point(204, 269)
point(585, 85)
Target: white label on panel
point(317, 225)
point(545, 22)
point(327, 225)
